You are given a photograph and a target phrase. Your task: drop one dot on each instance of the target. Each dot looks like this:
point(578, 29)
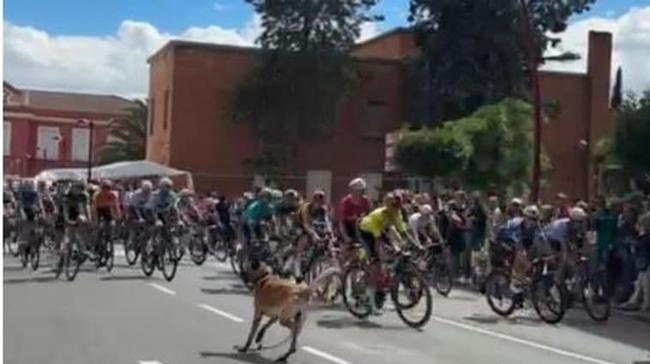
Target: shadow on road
point(252, 358)
point(127, 278)
point(221, 277)
point(226, 291)
point(13, 268)
point(513, 320)
point(347, 322)
point(29, 280)
point(625, 330)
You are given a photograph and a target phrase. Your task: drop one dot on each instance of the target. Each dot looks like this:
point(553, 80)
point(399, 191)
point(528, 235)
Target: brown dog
point(281, 300)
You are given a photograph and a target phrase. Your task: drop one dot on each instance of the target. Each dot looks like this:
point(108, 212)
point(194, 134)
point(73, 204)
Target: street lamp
point(91, 126)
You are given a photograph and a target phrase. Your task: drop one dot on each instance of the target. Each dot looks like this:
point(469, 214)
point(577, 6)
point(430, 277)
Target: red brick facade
point(191, 86)
point(27, 113)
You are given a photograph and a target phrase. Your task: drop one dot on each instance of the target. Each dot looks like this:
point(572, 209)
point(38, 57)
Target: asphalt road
point(124, 317)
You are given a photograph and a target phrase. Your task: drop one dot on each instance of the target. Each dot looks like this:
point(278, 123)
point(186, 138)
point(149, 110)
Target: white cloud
point(219, 6)
point(631, 37)
point(113, 64)
point(368, 30)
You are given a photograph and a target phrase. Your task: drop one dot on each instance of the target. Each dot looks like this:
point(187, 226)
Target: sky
point(102, 45)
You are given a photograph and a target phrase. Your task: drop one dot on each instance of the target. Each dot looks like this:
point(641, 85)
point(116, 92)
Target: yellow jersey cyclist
point(372, 231)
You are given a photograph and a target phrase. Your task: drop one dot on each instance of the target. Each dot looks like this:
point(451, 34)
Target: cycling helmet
point(79, 183)
point(516, 202)
point(291, 193)
point(577, 214)
point(146, 185)
point(531, 212)
point(276, 194)
point(318, 194)
point(106, 183)
point(265, 193)
point(357, 184)
point(165, 184)
point(426, 209)
point(392, 201)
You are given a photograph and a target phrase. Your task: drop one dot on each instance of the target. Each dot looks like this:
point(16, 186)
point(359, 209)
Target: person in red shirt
point(353, 207)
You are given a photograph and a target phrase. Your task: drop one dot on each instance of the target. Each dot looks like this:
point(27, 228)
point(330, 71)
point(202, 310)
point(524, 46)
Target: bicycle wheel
point(498, 293)
point(548, 299)
point(147, 261)
point(442, 280)
point(198, 250)
point(60, 264)
point(220, 251)
point(408, 291)
point(35, 255)
point(356, 281)
point(169, 261)
point(131, 250)
point(109, 251)
point(594, 298)
point(72, 262)
point(24, 254)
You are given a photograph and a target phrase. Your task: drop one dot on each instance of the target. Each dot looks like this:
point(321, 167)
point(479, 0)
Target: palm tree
point(127, 139)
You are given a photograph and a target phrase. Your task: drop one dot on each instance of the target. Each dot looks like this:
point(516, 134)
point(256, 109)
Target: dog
point(280, 300)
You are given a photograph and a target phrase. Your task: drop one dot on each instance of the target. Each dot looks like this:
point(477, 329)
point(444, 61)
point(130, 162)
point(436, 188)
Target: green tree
point(127, 138)
point(617, 92)
point(474, 51)
point(490, 149)
point(632, 133)
point(439, 152)
point(302, 72)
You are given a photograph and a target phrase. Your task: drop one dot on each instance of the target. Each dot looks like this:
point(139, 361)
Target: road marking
point(149, 362)
point(324, 355)
point(221, 313)
point(521, 341)
point(162, 288)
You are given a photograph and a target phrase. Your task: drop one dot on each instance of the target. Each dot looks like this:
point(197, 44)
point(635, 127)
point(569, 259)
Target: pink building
point(49, 129)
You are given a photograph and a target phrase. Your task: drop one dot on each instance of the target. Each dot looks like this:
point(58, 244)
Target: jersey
point(423, 226)
point(308, 214)
point(257, 212)
point(380, 219)
point(105, 204)
point(74, 203)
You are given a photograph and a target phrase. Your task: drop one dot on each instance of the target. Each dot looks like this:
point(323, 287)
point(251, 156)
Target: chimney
point(599, 72)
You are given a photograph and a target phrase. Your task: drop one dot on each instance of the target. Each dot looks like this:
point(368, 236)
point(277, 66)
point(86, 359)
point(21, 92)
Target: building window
point(152, 114)
point(372, 125)
point(166, 110)
point(80, 144)
point(7, 138)
point(47, 146)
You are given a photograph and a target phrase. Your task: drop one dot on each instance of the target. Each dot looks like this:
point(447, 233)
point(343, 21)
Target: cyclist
point(139, 201)
point(187, 209)
point(566, 234)
point(76, 213)
point(105, 204)
point(222, 208)
point(163, 201)
point(255, 214)
point(353, 207)
point(423, 227)
point(372, 231)
point(28, 206)
point(313, 219)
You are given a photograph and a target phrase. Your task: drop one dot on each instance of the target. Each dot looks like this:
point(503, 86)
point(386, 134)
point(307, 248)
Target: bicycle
point(105, 245)
point(588, 287)
point(71, 258)
point(400, 278)
point(541, 287)
point(435, 265)
point(160, 252)
point(29, 250)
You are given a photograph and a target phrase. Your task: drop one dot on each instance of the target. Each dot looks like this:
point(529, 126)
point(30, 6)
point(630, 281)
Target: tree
point(632, 133)
point(474, 50)
point(490, 149)
point(617, 93)
point(439, 152)
point(127, 138)
point(302, 72)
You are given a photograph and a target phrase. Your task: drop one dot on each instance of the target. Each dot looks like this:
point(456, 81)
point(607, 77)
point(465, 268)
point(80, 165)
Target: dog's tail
point(326, 274)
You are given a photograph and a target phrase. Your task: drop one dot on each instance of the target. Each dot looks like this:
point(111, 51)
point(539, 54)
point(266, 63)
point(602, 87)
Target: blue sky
point(83, 17)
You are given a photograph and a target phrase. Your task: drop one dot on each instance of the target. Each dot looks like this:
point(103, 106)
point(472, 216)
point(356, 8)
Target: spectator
point(605, 226)
point(640, 299)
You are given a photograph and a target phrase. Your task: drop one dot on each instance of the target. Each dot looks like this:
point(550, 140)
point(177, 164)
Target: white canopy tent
point(119, 171)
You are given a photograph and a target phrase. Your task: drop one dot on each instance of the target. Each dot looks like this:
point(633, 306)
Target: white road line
point(149, 362)
point(221, 313)
point(324, 355)
point(522, 341)
point(162, 288)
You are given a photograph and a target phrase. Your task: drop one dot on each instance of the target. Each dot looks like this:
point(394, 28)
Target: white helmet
point(577, 214)
point(146, 185)
point(357, 184)
point(516, 201)
point(426, 209)
point(165, 183)
point(531, 212)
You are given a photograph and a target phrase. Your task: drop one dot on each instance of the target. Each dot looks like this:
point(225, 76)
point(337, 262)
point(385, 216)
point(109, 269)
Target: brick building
point(42, 129)
point(191, 85)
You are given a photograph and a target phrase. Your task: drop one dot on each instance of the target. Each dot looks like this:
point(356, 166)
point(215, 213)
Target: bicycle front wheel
point(498, 293)
point(412, 298)
point(595, 299)
point(169, 262)
point(548, 299)
point(442, 279)
point(198, 250)
point(72, 263)
point(356, 282)
point(109, 247)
